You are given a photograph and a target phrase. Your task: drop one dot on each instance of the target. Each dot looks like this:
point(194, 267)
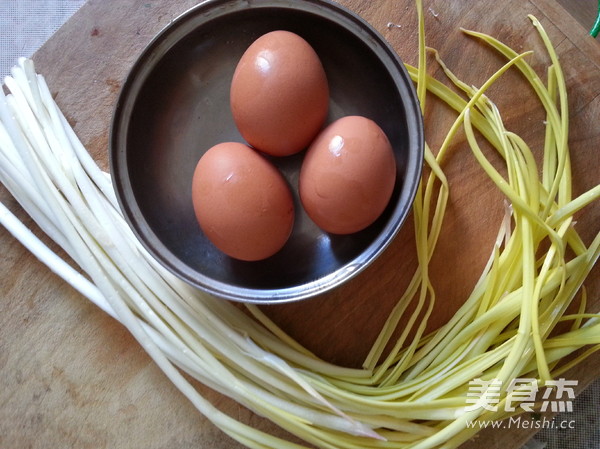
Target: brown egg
point(279, 94)
point(243, 204)
point(348, 175)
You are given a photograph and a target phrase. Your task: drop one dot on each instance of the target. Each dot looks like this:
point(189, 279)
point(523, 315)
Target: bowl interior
point(174, 106)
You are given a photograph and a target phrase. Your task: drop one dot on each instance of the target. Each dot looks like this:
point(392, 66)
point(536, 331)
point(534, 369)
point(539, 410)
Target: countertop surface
point(70, 376)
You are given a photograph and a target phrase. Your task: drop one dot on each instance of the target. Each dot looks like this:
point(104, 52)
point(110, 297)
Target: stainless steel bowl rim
point(170, 36)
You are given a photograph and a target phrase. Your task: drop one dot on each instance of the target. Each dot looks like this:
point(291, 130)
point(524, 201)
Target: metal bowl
point(174, 105)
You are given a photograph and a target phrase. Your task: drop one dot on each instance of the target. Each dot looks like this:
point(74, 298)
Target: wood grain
point(583, 11)
point(72, 377)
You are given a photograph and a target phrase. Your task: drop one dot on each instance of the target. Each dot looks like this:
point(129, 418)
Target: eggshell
point(243, 204)
point(348, 175)
point(279, 94)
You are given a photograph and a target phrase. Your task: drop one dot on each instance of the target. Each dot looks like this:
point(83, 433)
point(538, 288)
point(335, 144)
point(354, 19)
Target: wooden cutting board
point(72, 377)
